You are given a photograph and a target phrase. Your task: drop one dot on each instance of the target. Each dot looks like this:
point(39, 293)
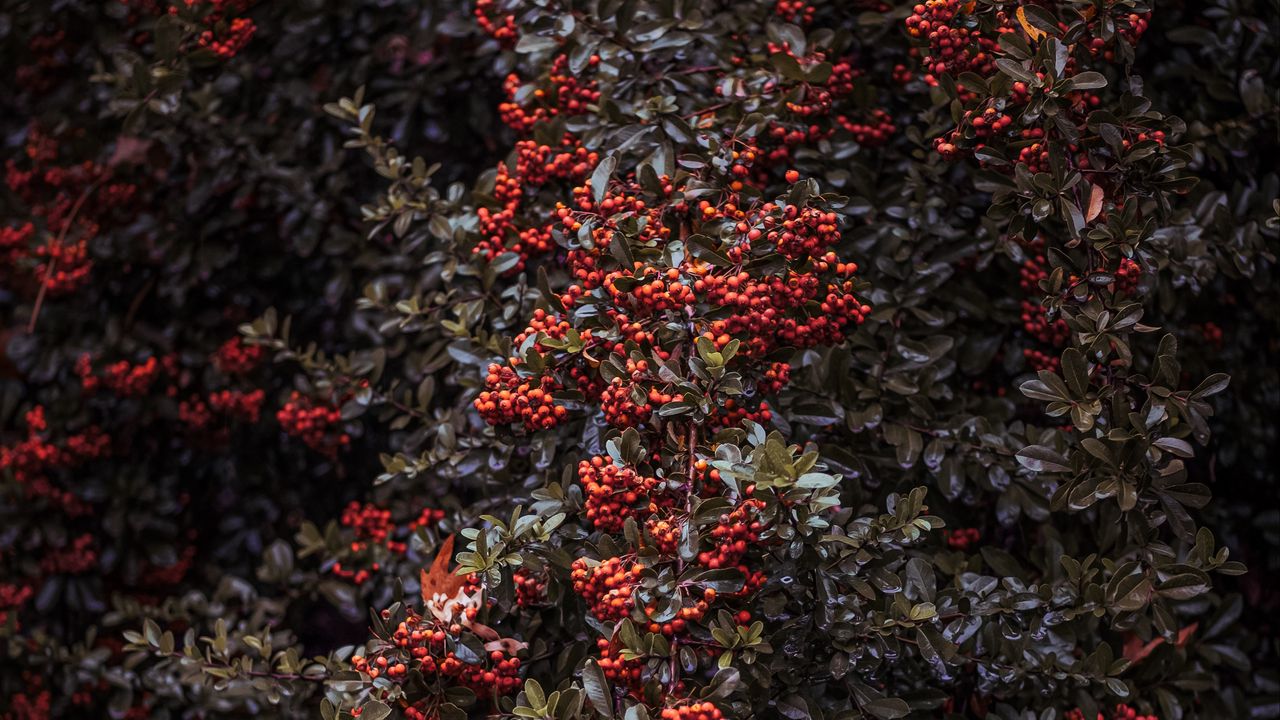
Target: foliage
point(829, 359)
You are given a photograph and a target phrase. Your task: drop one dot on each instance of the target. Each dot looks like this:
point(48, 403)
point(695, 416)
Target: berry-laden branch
point(674, 337)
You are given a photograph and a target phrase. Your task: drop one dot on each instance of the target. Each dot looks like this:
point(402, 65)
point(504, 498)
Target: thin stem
point(53, 259)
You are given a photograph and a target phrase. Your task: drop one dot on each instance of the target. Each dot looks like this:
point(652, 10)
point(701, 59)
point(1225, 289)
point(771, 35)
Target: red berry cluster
point(226, 41)
point(128, 379)
point(607, 586)
point(560, 92)
point(959, 37)
point(314, 422)
point(202, 415)
point(375, 538)
point(731, 535)
point(164, 576)
point(962, 538)
point(693, 711)
point(1211, 333)
point(953, 47)
point(798, 12)
point(614, 493)
point(47, 54)
point(36, 462)
point(12, 597)
point(1120, 712)
point(814, 110)
point(234, 357)
point(72, 559)
point(495, 23)
point(510, 397)
point(33, 702)
point(425, 644)
point(1035, 320)
point(1128, 275)
point(535, 165)
point(239, 405)
point(873, 130)
point(68, 206)
point(531, 588)
point(624, 673)
point(1128, 27)
point(223, 34)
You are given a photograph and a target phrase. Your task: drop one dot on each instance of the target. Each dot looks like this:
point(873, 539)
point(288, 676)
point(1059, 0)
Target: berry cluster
point(510, 397)
point(798, 12)
point(535, 165)
point(316, 423)
point(962, 538)
point(607, 586)
point(873, 130)
point(36, 462)
point(614, 493)
point(375, 538)
point(424, 644)
point(952, 46)
point(226, 42)
point(1119, 712)
point(217, 28)
point(531, 588)
point(68, 206)
point(731, 536)
point(12, 597)
point(693, 711)
point(958, 37)
point(234, 357)
point(1211, 333)
point(496, 24)
point(560, 92)
point(128, 379)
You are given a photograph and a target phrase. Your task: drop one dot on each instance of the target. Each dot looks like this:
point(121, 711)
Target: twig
point(53, 259)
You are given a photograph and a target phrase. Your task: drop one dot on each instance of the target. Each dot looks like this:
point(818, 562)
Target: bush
point(639, 359)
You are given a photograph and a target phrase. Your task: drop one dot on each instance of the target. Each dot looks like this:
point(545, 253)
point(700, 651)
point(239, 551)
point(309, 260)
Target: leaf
point(597, 687)
point(887, 708)
point(1076, 372)
point(1088, 80)
point(530, 43)
point(1212, 385)
point(1096, 196)
point(723, 684)
point(600, 177)
point(440, 580)
point(374, 710)
point(1040, 390)
point(1015, 70)
point(1176, 446)
point(794, 707)
point(1038, 458)
point(1032, 31)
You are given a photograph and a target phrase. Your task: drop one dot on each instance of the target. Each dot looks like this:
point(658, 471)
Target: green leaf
point(597, 687)
point(1088, 80)
point(600, 177)
point(887, 708)
point(1039, 458)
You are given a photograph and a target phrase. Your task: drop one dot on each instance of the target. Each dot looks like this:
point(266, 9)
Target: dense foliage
point(633, 359)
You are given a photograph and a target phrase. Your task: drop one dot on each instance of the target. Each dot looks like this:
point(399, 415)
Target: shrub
point(858, 359)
